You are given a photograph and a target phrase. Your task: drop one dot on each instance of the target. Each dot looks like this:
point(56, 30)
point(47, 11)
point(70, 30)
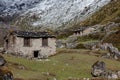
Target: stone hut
point(30, 44)
point(79, 32)
point(82, 31)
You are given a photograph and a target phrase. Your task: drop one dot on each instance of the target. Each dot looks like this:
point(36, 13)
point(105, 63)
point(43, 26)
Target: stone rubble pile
point(99, 70)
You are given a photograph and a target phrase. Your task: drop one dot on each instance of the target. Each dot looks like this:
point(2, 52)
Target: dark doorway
point(7, 44)
point(36, 54)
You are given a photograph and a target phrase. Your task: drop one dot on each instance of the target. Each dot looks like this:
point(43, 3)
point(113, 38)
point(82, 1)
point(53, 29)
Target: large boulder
point(60, 44)
point(104, 46)
point(110, 75)
point(71, 42)
point(98, 69)
point(91, 45)
point(113, 51)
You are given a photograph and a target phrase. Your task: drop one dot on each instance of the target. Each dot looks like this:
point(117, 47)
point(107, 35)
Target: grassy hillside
point(114, 38)
point(109, 13)
point(66, 64)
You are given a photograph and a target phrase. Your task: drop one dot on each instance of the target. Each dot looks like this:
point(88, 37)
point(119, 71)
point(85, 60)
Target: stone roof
point(32, 34)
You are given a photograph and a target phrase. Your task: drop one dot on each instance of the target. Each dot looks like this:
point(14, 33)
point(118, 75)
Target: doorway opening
point(7, 44)
point(36, 54)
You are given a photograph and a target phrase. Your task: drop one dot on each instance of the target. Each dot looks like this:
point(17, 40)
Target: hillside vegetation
point(109, 13)
point(114, 39)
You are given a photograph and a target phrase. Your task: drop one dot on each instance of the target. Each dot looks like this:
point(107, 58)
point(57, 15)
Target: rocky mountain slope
point(48, 13)
point(109, 18)
point(105, 24)
point(108, 13)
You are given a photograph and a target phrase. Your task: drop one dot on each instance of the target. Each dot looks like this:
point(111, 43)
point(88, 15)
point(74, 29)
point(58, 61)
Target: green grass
point(67, 63)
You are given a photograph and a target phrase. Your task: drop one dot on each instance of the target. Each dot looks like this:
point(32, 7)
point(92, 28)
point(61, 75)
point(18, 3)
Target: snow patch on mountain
point(11, 7)
point(52, 13)
point(55, 13)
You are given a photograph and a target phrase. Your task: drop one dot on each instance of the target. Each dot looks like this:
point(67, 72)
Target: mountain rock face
point(11, 7)
point(50, 13)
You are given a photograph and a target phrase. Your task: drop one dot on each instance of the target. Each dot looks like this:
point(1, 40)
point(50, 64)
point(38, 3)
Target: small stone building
point(30, 44)
point(79, 32)
point(83, 31)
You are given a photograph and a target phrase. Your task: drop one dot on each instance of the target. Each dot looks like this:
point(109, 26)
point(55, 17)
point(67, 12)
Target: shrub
point(80, 46)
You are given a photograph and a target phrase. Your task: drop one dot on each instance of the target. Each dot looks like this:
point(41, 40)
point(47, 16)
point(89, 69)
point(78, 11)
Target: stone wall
point(36, 45)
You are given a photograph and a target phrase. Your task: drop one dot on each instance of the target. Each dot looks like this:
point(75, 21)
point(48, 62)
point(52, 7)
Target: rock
point(110, 75)
point(54, 78)
point(71, 45)
point(71, 39)
point(7, 76)
point(60, 44)
point(91, 45)
point(43, 57)
point(118, 73)
point(98, 68)
point(5, 73)
point(21, 67)
point(114, 52)
point(103, 46)
point(2, 61)
point(71, 42)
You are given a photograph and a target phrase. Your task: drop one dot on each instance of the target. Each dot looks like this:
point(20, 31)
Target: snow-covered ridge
point(52, 13)
point(11, 7)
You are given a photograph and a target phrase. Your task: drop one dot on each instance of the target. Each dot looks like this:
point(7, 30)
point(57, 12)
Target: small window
point(27, 42)
point(44, 41)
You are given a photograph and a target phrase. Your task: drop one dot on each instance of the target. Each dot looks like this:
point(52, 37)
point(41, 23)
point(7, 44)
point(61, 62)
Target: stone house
point(30, 44)
point(83, 31)
point(79, 32)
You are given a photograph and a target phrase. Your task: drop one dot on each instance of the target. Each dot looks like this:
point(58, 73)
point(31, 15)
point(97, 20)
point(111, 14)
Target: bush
point(96, 36)
point(80, 46)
